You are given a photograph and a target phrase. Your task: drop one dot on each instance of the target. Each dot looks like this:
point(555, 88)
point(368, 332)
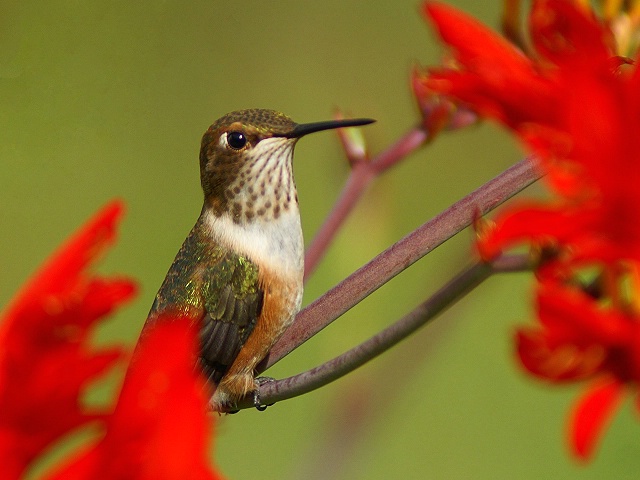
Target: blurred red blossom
point(47, 362)
point(576, 105)
point(158, 429)
point(575, 108)
point(579, 339)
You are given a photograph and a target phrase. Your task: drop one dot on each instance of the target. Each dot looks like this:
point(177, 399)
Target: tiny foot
point(256, 394)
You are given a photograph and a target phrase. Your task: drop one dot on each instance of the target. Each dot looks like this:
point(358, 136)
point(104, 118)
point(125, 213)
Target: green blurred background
point(109, 99)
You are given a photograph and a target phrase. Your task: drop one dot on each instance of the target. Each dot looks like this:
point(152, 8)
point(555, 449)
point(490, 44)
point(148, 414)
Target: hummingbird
point(239, 272)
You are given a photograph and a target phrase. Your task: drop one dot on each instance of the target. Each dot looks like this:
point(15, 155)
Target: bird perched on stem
point(239, 272)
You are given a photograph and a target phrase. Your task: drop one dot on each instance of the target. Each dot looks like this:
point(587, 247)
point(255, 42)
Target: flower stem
point(400, 256)
point(362, 174)
point(456, 288)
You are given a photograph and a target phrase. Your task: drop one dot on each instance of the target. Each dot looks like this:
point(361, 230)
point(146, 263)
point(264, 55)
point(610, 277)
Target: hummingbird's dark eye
point(236, 140)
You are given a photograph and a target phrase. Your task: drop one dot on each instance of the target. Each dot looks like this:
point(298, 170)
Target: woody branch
point(383, 268)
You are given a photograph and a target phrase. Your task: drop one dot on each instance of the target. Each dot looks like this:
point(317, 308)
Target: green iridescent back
point(217, 287)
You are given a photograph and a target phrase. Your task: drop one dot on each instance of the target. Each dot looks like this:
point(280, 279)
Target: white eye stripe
point(222, 141)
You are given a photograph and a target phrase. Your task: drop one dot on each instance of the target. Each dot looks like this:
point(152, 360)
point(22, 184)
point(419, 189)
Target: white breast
point(275, 243)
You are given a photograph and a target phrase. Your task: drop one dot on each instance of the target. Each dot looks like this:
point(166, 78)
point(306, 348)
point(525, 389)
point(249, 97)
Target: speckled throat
point(258, 188)
point(246, 163)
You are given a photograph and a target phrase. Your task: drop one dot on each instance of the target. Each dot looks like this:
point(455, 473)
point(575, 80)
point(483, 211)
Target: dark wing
point(232, 303)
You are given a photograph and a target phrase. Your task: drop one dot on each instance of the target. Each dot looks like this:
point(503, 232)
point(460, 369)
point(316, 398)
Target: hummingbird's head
point(246, 162)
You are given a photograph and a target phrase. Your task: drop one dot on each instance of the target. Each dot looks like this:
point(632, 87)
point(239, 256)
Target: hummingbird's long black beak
point(303, 129)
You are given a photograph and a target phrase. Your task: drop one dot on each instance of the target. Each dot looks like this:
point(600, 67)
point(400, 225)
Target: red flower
point(579, 111)
point(493, 75)
point(579, 339)
point(159, 428)
point(45, 359)
point(574, 108)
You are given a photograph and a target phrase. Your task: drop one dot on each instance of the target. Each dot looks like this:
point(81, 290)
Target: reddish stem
point(362, 174)
point(401, 255)
point(456, 288)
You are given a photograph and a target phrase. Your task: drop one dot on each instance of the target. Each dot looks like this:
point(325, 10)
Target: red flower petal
point(494, 76)
point(592, 415)
point(569, 308)
point(566, 35)
point(540, 224)
point(476, 44)
point(45, 362)
point(573, 108)
point(160, 427)
point(557, 362)
point(578, 338)
point(64, 267)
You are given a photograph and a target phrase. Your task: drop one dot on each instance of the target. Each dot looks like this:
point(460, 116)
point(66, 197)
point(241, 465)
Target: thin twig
point(512, 263)
point(362, 174)
point(326, 373)
point(400, 256)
